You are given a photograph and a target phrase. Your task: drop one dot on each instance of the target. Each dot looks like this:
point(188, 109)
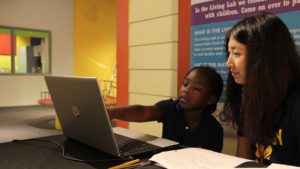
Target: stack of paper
point(281, 166)
point(195, 158)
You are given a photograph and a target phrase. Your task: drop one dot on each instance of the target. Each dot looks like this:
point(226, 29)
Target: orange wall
point(122, 52)
point(95, 38)
point(184, 22)
point(122, 55)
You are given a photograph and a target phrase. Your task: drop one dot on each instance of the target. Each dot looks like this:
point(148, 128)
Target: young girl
point(188, 119)
point(263, 89)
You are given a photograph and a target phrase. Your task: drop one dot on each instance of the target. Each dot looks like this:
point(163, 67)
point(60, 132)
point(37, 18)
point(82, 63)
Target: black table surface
point(47, 153)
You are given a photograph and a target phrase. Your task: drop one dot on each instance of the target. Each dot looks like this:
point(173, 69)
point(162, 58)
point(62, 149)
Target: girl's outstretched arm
point(134, 113)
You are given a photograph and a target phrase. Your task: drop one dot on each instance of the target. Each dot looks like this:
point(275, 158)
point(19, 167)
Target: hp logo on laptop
point(75, 111)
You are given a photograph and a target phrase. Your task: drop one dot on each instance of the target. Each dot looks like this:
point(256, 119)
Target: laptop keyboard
point(132, 147)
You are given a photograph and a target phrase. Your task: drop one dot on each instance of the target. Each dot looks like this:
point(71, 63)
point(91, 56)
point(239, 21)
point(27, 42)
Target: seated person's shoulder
point(212, 121)
point(166, 105)
point(212, 127)
point(170, 102)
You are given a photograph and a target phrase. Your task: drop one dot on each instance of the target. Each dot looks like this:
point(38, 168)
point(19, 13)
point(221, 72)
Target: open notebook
point(82, 113)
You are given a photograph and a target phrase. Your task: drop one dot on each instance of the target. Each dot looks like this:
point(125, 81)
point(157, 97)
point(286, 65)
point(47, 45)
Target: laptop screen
point(82, 113)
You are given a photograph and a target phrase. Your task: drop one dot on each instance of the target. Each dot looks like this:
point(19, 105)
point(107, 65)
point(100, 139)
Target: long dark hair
point(272, 68)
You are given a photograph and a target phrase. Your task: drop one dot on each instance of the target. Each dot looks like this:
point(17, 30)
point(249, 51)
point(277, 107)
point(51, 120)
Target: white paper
point(281, 166)
point(195, 158)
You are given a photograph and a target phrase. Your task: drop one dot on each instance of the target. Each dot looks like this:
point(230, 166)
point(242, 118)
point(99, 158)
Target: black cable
point(72, 158)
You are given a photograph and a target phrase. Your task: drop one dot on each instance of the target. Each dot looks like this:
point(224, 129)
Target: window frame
point(13, 53)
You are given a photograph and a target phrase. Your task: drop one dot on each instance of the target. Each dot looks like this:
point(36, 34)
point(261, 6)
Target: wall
point(153, 40)
point(95, 38)
point(153, 57)
point(53, 15)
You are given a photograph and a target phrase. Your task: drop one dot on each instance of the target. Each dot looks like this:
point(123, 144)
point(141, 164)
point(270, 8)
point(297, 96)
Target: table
point(47, 153)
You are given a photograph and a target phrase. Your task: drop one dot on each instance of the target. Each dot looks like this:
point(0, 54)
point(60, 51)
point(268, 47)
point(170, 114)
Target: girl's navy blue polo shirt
point(208, 134)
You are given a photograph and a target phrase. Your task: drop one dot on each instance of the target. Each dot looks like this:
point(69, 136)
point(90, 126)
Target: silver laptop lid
point(77, 101)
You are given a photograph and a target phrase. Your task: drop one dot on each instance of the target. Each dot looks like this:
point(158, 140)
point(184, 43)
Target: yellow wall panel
point(145, 9)
point(158, 56)
point(153, 82)
point(95, 38)
point(160, 30)
point(153, 37)
point(145, 99)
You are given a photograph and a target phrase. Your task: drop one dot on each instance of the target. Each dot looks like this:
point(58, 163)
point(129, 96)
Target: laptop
point(83, 117)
